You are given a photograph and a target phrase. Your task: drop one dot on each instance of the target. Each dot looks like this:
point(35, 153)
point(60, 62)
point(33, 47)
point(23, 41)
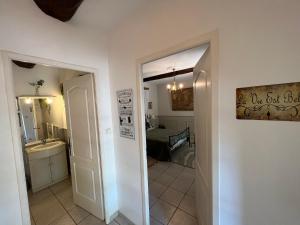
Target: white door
point(83, 133)
point(203, 162)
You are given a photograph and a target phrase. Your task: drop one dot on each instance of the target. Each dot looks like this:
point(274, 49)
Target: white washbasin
point(45, 150)
point(46, 146)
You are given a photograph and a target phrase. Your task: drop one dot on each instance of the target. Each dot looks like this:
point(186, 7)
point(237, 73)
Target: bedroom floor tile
point(162, 212)
point(152, 200)
point(172, 195)
point(156, 189)
point(161, 166)
point(192, 191)
point(174, 170)
point(165, 179)
point(153, 174)
point(180, 218)
point(183, 183)
point(188, 205)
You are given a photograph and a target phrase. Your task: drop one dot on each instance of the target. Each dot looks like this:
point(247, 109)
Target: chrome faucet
point(44, 141)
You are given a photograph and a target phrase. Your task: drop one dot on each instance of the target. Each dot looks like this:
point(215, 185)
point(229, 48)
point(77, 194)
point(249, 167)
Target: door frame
point(212, 39)
point(7, 74)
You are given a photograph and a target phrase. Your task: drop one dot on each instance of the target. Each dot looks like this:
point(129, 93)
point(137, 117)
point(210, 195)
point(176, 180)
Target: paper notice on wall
point(125, 108)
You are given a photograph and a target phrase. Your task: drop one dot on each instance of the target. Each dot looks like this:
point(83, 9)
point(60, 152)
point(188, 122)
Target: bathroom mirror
point(35, 117)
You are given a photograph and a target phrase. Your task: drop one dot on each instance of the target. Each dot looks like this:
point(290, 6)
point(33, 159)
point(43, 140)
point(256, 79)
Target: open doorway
point(59, 134)
point(177, 100)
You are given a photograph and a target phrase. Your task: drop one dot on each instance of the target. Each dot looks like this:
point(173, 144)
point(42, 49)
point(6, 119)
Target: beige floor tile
point(32, 220)
point(65, 220)
point(113, 223)
point(182, 218)
point(91, 220)
point(61, 186)
point(66, 199)
point(192, 191)
point(174, 170)
point(152, 200)
point(47, 211)
point(38, 197)
point(161, 166)
point(153, 174)
point(172, 196)
point(78, 214)
point(165, 179)
point(187, 176)
point(182, 183)
point(189, 171)
point(156, 189)
point(154, 222)
point(122, 220)
point(162, 212)
point(188, 205)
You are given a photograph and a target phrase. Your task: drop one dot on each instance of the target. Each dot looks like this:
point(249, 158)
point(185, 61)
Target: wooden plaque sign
point(270, 102)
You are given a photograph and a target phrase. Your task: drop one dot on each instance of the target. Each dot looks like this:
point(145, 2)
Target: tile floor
point(54, 206)
point(171, 194)
point(171, 200)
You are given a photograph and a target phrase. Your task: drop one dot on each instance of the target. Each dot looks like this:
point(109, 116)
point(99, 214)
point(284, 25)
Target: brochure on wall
point(125, 108)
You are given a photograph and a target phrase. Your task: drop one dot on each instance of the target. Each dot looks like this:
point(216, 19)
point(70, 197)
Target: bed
point(161, 142)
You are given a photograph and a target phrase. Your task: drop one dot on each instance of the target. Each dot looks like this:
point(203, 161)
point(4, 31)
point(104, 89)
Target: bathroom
point(46, 143)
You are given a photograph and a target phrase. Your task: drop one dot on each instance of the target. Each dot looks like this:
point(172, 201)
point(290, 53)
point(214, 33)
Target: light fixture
point(49, 101)
point(174, 86)
point(28, 101)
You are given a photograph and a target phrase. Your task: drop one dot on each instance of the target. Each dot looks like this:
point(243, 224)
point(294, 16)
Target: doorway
point(62, 167)
point(206, 204)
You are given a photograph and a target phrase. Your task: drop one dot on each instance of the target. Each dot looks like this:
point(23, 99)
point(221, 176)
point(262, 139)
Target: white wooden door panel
point(203, 122)
point(83, 134)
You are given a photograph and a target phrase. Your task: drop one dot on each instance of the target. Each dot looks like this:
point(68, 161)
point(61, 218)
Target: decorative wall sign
point(270, 102)
point(182, 100)
point(125, 108)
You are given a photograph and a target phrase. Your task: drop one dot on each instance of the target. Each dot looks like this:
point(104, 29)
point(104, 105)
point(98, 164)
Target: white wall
point(258, 44)
point(165, 101)
point(27, 30)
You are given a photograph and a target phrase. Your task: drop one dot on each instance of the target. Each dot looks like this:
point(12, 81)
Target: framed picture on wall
point(183, 100)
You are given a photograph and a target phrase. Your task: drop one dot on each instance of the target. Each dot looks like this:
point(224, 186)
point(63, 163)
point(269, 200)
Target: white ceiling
point(104, 14)
point(182, 60)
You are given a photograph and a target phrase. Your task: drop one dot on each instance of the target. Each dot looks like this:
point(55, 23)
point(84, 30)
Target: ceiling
point(104, 14)
point(182, 60)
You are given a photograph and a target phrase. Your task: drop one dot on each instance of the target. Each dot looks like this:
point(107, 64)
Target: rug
point(184, 156)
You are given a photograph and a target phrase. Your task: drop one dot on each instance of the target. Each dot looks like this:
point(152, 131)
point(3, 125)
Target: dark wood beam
point(167, 75)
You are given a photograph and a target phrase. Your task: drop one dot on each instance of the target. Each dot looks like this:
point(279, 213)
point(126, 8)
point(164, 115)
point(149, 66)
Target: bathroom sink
point(46, 146)
point(45, 150)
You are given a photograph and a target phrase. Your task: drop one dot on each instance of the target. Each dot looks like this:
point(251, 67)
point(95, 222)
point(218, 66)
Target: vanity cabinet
point(40, 173)
point(58, 167)
point(48, 169)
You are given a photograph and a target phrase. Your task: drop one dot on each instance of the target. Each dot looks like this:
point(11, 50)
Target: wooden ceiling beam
point(169, 74)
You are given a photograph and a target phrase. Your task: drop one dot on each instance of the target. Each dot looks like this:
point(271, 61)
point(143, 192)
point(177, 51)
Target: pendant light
point(174, 86)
